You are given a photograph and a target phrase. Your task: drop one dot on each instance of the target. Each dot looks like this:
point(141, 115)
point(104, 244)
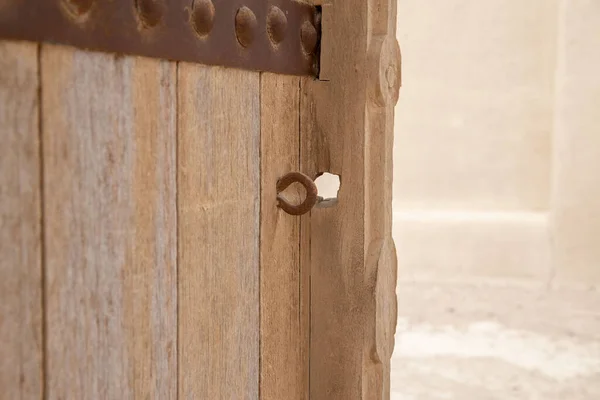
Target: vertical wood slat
point(335, 243)
point(332, 132)
point(218, 206)
point(21, 319)
point(109, 204)
point(284, 357)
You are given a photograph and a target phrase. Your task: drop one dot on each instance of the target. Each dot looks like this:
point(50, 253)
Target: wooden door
point(142, 252)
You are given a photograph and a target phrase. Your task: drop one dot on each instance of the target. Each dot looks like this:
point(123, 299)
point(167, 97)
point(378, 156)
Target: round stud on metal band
point(276, 25)
point(203, 16)
point(150, 12)
point(245, 26)
point(308, 36)
point(311, 193)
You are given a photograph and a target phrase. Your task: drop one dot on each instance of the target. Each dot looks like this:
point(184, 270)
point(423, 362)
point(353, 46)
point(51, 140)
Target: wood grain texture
point(347, 129)
point(284, 362)
point(110, 225)
point(218, 206)
point(21, 351)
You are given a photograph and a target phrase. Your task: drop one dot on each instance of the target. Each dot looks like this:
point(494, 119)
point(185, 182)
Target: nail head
point(276, 25)
point(245, 26)
point(308, 36)
point(150, 12)
point(203, 16)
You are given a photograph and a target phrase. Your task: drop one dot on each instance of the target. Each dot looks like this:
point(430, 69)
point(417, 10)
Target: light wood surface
point(218, 208)
point(21, 351)
point(110, 225)
point(152, 241)
point(284, 363)
point(346, 129)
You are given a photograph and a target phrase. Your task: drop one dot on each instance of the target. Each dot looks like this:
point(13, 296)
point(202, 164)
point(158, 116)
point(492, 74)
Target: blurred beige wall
point(497, 148)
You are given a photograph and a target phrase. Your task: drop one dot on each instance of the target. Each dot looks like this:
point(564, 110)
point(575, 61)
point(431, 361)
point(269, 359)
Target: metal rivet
point(308, 36)
point(276, 25)
point(203, 16)
point(245, 26)
point(78, 7)
point(150, 12)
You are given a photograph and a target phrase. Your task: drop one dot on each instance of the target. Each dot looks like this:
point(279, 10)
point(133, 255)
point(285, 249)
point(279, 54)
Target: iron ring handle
point(311, 193)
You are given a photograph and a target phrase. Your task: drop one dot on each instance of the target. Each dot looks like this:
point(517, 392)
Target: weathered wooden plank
point(21, 351)
point(218, 206)
point(336, 235)
point(110, 225)
point(346, 129)
point(284, 363)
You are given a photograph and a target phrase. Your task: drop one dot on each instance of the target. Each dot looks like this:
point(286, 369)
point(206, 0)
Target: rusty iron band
point(311, 193)
point(279, 36)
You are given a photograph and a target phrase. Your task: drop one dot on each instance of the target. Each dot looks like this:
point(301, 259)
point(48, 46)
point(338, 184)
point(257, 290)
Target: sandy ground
point(496, 341)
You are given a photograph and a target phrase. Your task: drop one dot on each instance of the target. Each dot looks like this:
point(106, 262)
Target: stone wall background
point(497, 200)
point(497, 149)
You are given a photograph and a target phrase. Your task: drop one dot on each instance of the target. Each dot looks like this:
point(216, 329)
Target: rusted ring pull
point(311, 193)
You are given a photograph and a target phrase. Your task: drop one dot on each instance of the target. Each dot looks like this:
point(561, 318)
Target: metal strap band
point(276, 35)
